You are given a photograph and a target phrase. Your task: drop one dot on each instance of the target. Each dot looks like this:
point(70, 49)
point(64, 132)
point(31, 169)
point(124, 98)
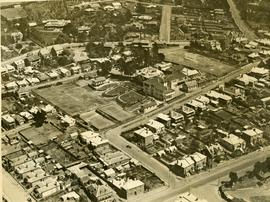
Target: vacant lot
point(196, 61)
point(40, 135)
point(115, 112)
point(96, 120)
point(71, 98)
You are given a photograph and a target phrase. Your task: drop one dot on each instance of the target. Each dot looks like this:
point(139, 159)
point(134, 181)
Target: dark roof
point(13, 13)
point(32, 58)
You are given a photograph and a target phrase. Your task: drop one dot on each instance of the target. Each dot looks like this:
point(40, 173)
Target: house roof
point(155, 124)
point(143, 132)
point(233, 139)
point(253, 132)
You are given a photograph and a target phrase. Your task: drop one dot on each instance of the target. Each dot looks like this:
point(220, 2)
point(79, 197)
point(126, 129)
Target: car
point(128, 146)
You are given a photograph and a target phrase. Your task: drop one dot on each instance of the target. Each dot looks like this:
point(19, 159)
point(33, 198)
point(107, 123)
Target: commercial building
point(129, 188)
point(155, 126)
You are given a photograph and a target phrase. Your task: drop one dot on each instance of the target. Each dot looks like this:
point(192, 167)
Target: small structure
point(129, 188)
point(200, 160)
point(19, 64)
point(184, 167)
point(70, 196)
point(190, 86)
point(8, 121)
point(98, 81)
point(33, 60)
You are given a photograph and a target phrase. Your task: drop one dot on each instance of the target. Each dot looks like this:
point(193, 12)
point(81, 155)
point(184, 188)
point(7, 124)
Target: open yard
point(196, 61)
point(115, 112)
point(96, 120)
point(41, 135)
point(115, 91)
point(71, 98)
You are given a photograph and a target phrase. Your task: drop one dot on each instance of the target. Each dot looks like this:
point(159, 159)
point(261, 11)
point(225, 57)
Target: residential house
point(19, 64)
point(233, 143)
point(190, 86)
point(219, 97)
point(149, 106)
point(73, 196)
point(43, 77)
point(129, 188)
point(23, 83)
point(158, 88)
point(164, 118)
point(148, 73)
point(188, 197)
point(155, 126)
point(57, 50)
point(184, 167)
point(76, 70)
point(252, 136)
point(13, 14)
point(64, 72)
point(196, 105)
point(12, 86)
point(259, 73)
point(99, 192)
point(176, 117)
point(93, 139)
point(33, 80)
point(45, 53)
point(145, 136)
point(47, 190)
point(265, 102)
point(200, 160)
point(114, 159)
point(188, 112)
point(19, 120)
point(5, 69)
point(53, 75)
point(98, 81)
point(33, 60)
point(246, 80)
point(8, 121)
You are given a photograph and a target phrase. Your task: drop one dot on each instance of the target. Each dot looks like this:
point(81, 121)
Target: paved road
point(244, 28)
point(153, 165)
point(165, 26)
point(12, 190)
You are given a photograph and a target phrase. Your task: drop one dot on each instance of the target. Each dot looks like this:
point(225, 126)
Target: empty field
point(71, 98)
point(96, 120)
point(196, 61)
point(40, 135)
point(115, 112)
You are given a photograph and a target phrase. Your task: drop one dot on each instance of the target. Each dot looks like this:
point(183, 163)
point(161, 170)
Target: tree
point(161, 57)
point(233, 177)
point(62, 38)
point(70, 29)
point(140, 8)
point(130, 68)
point(106, 67)
point(18, 46)
point(39, 118)
point(64, 60)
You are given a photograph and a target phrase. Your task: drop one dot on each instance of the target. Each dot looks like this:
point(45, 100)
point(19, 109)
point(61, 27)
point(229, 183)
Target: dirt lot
point(196, 61)
point(115, 112)
point(71, 98)
point(41, 135)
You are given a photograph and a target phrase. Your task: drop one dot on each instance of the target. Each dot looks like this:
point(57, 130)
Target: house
point(176, 117)
point(184, 167)
point(259, 73)
point(148, 73)
point(33, 60)
point(23, 83)
point(246, 80)
point(145, 136)
point(114, 159)
point(44, 53)
point(203, 99)
point(19, 120)
point(19, 64)
point(190, 86)
point(55, 24)
point(98, 81)
point(9, 68)
point(252, 136)
point(13, 138)
point(76, 70)
point(190, 73)
point(43, 77)
point(129, 188)
point(33, 81)
point(53, 75)
point(200, 160)
point(164, 118)
point(155, 126)
point(220, 97)
point(64, 72)
point(149, 106)
point(12, 86)
point(93, 139)
point(70, 196)
point(232, 143)
point(47, 190)
point(188, 112)
point(48, 109)
point(8, 121)
point(99, 192)
point(158, 88)
point(265, 102)
point(196, 105)
point(57, 50)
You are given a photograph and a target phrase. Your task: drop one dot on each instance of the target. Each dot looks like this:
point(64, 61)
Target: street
point(165, 26)
point(248, 32)
point(13, 191)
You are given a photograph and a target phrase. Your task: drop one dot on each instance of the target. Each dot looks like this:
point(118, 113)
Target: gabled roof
point(13, 13)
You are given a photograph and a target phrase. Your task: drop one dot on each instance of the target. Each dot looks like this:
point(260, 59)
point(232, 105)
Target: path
point(165, 26)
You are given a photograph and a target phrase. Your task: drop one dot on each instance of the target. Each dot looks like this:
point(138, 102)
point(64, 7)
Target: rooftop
point(233, 139)
point(143, 132)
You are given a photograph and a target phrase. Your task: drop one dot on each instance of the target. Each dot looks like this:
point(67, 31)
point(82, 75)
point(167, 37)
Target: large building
point(158, 88)
point(233, 143)
point(129, 188)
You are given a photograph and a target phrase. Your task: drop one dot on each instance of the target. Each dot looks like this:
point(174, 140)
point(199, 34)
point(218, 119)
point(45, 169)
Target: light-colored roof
point(253, 132)
point(197, 157)
point(233, 139)
point(188, 197)
point(155, 124)
point(164, 117)
point(185, 162)
point(259, 70)
point(8, 118)
point(143, 132)
point(70, 195)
